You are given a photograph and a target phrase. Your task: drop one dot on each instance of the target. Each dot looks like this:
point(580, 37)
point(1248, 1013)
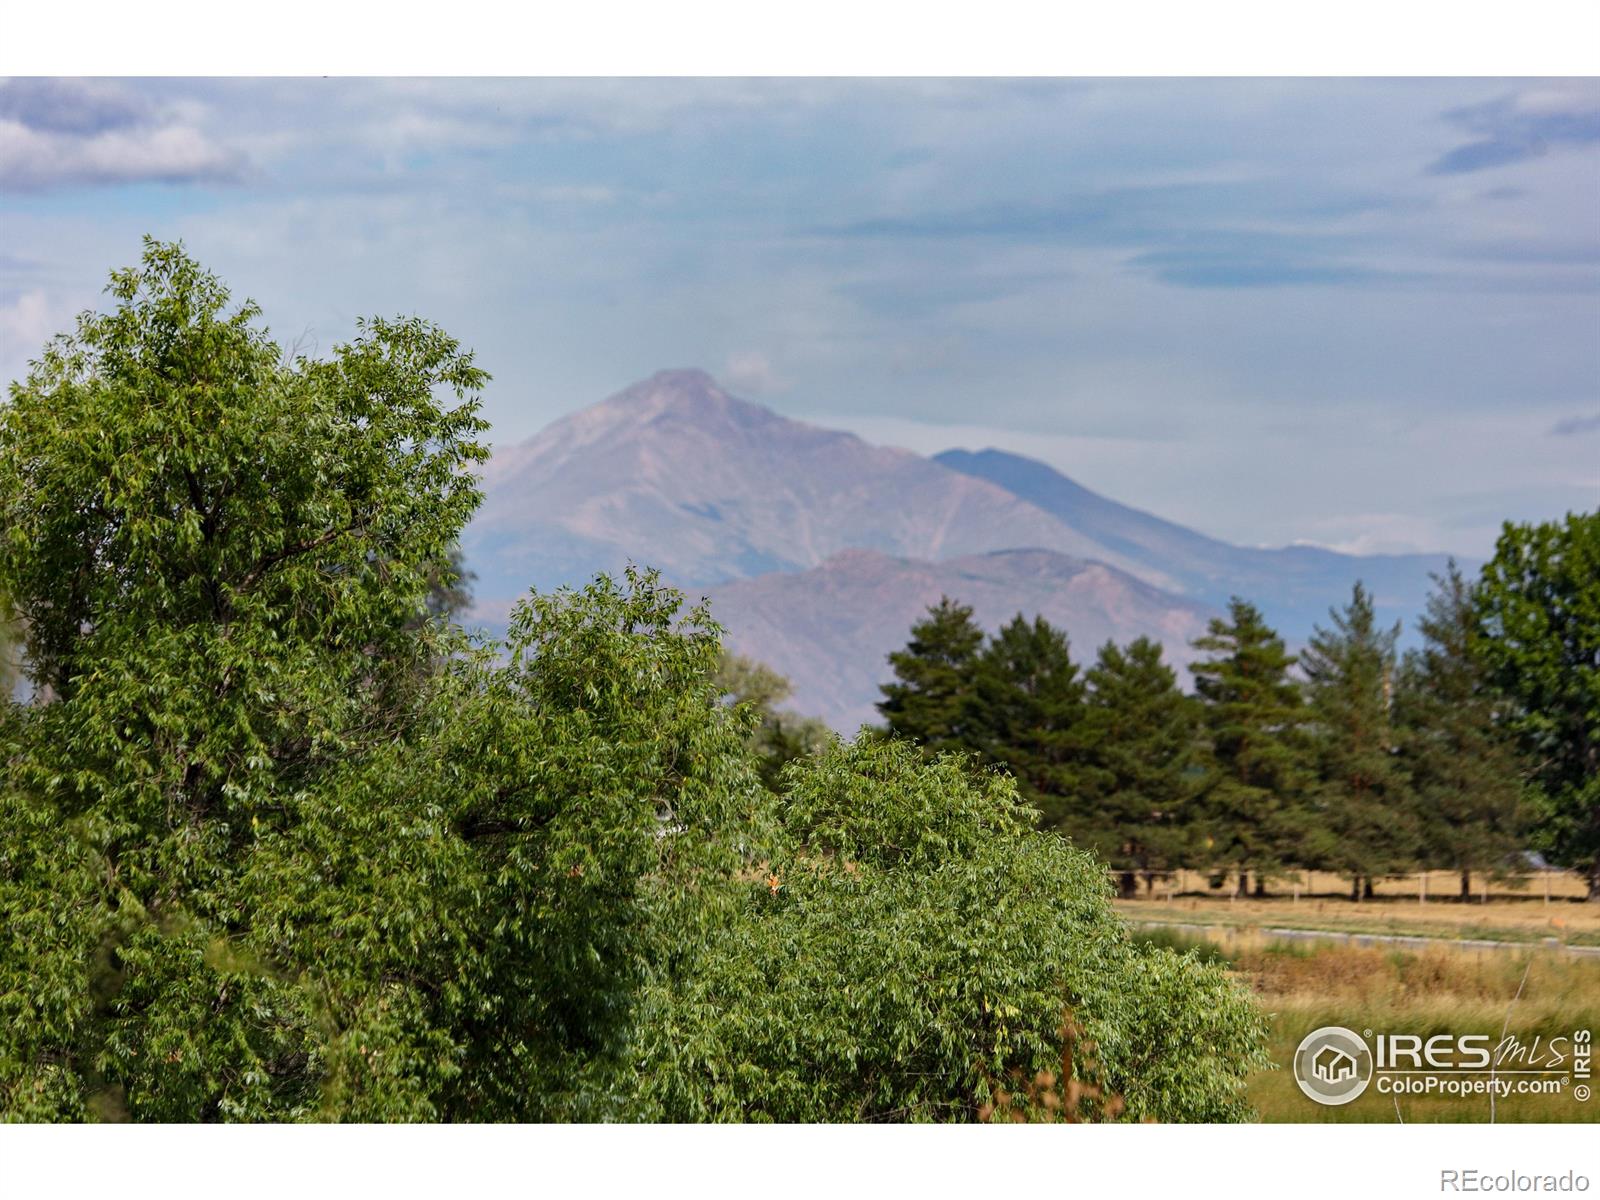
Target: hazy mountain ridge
point(819, 550)
point(1294, 585)
point(676, 472)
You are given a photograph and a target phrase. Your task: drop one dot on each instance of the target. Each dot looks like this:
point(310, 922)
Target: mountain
point(829, 629)
point(1293, 586)
point(820, 550)
point(677, 473)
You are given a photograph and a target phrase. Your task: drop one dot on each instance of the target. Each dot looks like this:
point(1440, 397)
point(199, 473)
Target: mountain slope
point(677, 473)
point(830, 628)
point(1294, 586)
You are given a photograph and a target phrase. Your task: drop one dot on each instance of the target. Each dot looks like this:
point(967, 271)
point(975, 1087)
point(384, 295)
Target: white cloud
point(26, 324)
point(64, 132)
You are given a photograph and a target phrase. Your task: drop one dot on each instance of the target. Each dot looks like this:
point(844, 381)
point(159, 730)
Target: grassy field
point(1443, 989)
point(1513, 913)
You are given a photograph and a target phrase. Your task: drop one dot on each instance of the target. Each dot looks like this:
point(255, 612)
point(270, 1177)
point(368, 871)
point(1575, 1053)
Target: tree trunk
point(1127, 885)
point(1466, 886)
point(1366, 888)
point(1261, 886)
point(1594, 883)
point(1355, 888)
point(1244, 884)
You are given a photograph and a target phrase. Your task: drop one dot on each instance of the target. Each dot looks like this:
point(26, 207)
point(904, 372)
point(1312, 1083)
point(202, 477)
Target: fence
point(1550, 884)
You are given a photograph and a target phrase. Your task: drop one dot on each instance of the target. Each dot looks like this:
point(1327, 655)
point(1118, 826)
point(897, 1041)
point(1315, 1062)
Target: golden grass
point(1569, 921)
point(1443, 989)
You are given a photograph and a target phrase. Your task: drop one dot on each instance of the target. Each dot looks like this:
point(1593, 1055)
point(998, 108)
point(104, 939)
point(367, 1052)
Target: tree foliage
point(1538, 634)
point(919, 953)
point(284, 845)
point(1142, 778)
point(1027, 709)
point(1465, 775)
point(1364, 823)
point(930, 700)
point(1254, 720)
point(778, 736)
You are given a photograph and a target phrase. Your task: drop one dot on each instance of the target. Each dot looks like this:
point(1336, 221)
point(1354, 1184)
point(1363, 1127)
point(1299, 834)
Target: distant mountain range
point(829, 628)
point(819, 550)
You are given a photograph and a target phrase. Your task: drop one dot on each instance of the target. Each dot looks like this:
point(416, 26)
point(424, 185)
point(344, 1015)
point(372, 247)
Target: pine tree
point(1364, 822)
point(1465, 772)
point(1027, 711)
point(1141, 776)
point(1251, 814)
point(931, 700)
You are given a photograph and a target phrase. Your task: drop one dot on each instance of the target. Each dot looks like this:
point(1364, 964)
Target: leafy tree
point(931, 698)
point(779, 736)
point(1027, 711)
point(1465, 773)
point(1365, 824)
point(280, 848)
point(1251, 816)
point(1538, 611)
point(283, 848)
point(918, 952)
point(1141, 778)
point(10, 652)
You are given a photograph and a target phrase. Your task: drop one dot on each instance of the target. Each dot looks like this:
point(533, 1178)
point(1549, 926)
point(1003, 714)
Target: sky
point(1359, 313)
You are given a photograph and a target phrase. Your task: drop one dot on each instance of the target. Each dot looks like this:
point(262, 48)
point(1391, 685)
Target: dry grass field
point(1514, 911)
point(1436, 989)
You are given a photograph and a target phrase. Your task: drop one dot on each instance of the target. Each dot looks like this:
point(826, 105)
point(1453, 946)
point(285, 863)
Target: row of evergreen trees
point(1349, 757)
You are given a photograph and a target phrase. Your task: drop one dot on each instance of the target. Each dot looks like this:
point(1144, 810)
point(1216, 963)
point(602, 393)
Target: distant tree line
point(1350, 757)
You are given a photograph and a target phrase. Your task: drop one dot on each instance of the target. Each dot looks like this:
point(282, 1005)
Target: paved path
point(1367, 939)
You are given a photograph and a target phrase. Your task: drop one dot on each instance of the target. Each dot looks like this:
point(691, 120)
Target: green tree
point(1027, 712)
point(1538, 611)
point(1466, 776)
point(919, 952)
point(1251, 816)
point(1365, 824)
point(10, 652)
point(778, 736)
point(1142, 777)
point(280, 847)
point(931, 698)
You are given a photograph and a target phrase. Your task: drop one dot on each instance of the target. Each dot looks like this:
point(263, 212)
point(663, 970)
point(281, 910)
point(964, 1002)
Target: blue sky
point(1360, 313)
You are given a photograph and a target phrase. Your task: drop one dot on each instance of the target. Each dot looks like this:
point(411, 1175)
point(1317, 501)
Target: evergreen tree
point(1251, 814)
point(1466, 776)
point(1364, 823)
point(1538, 608)
point(931, 700)
point(1141, 774)
point(1027, 711)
